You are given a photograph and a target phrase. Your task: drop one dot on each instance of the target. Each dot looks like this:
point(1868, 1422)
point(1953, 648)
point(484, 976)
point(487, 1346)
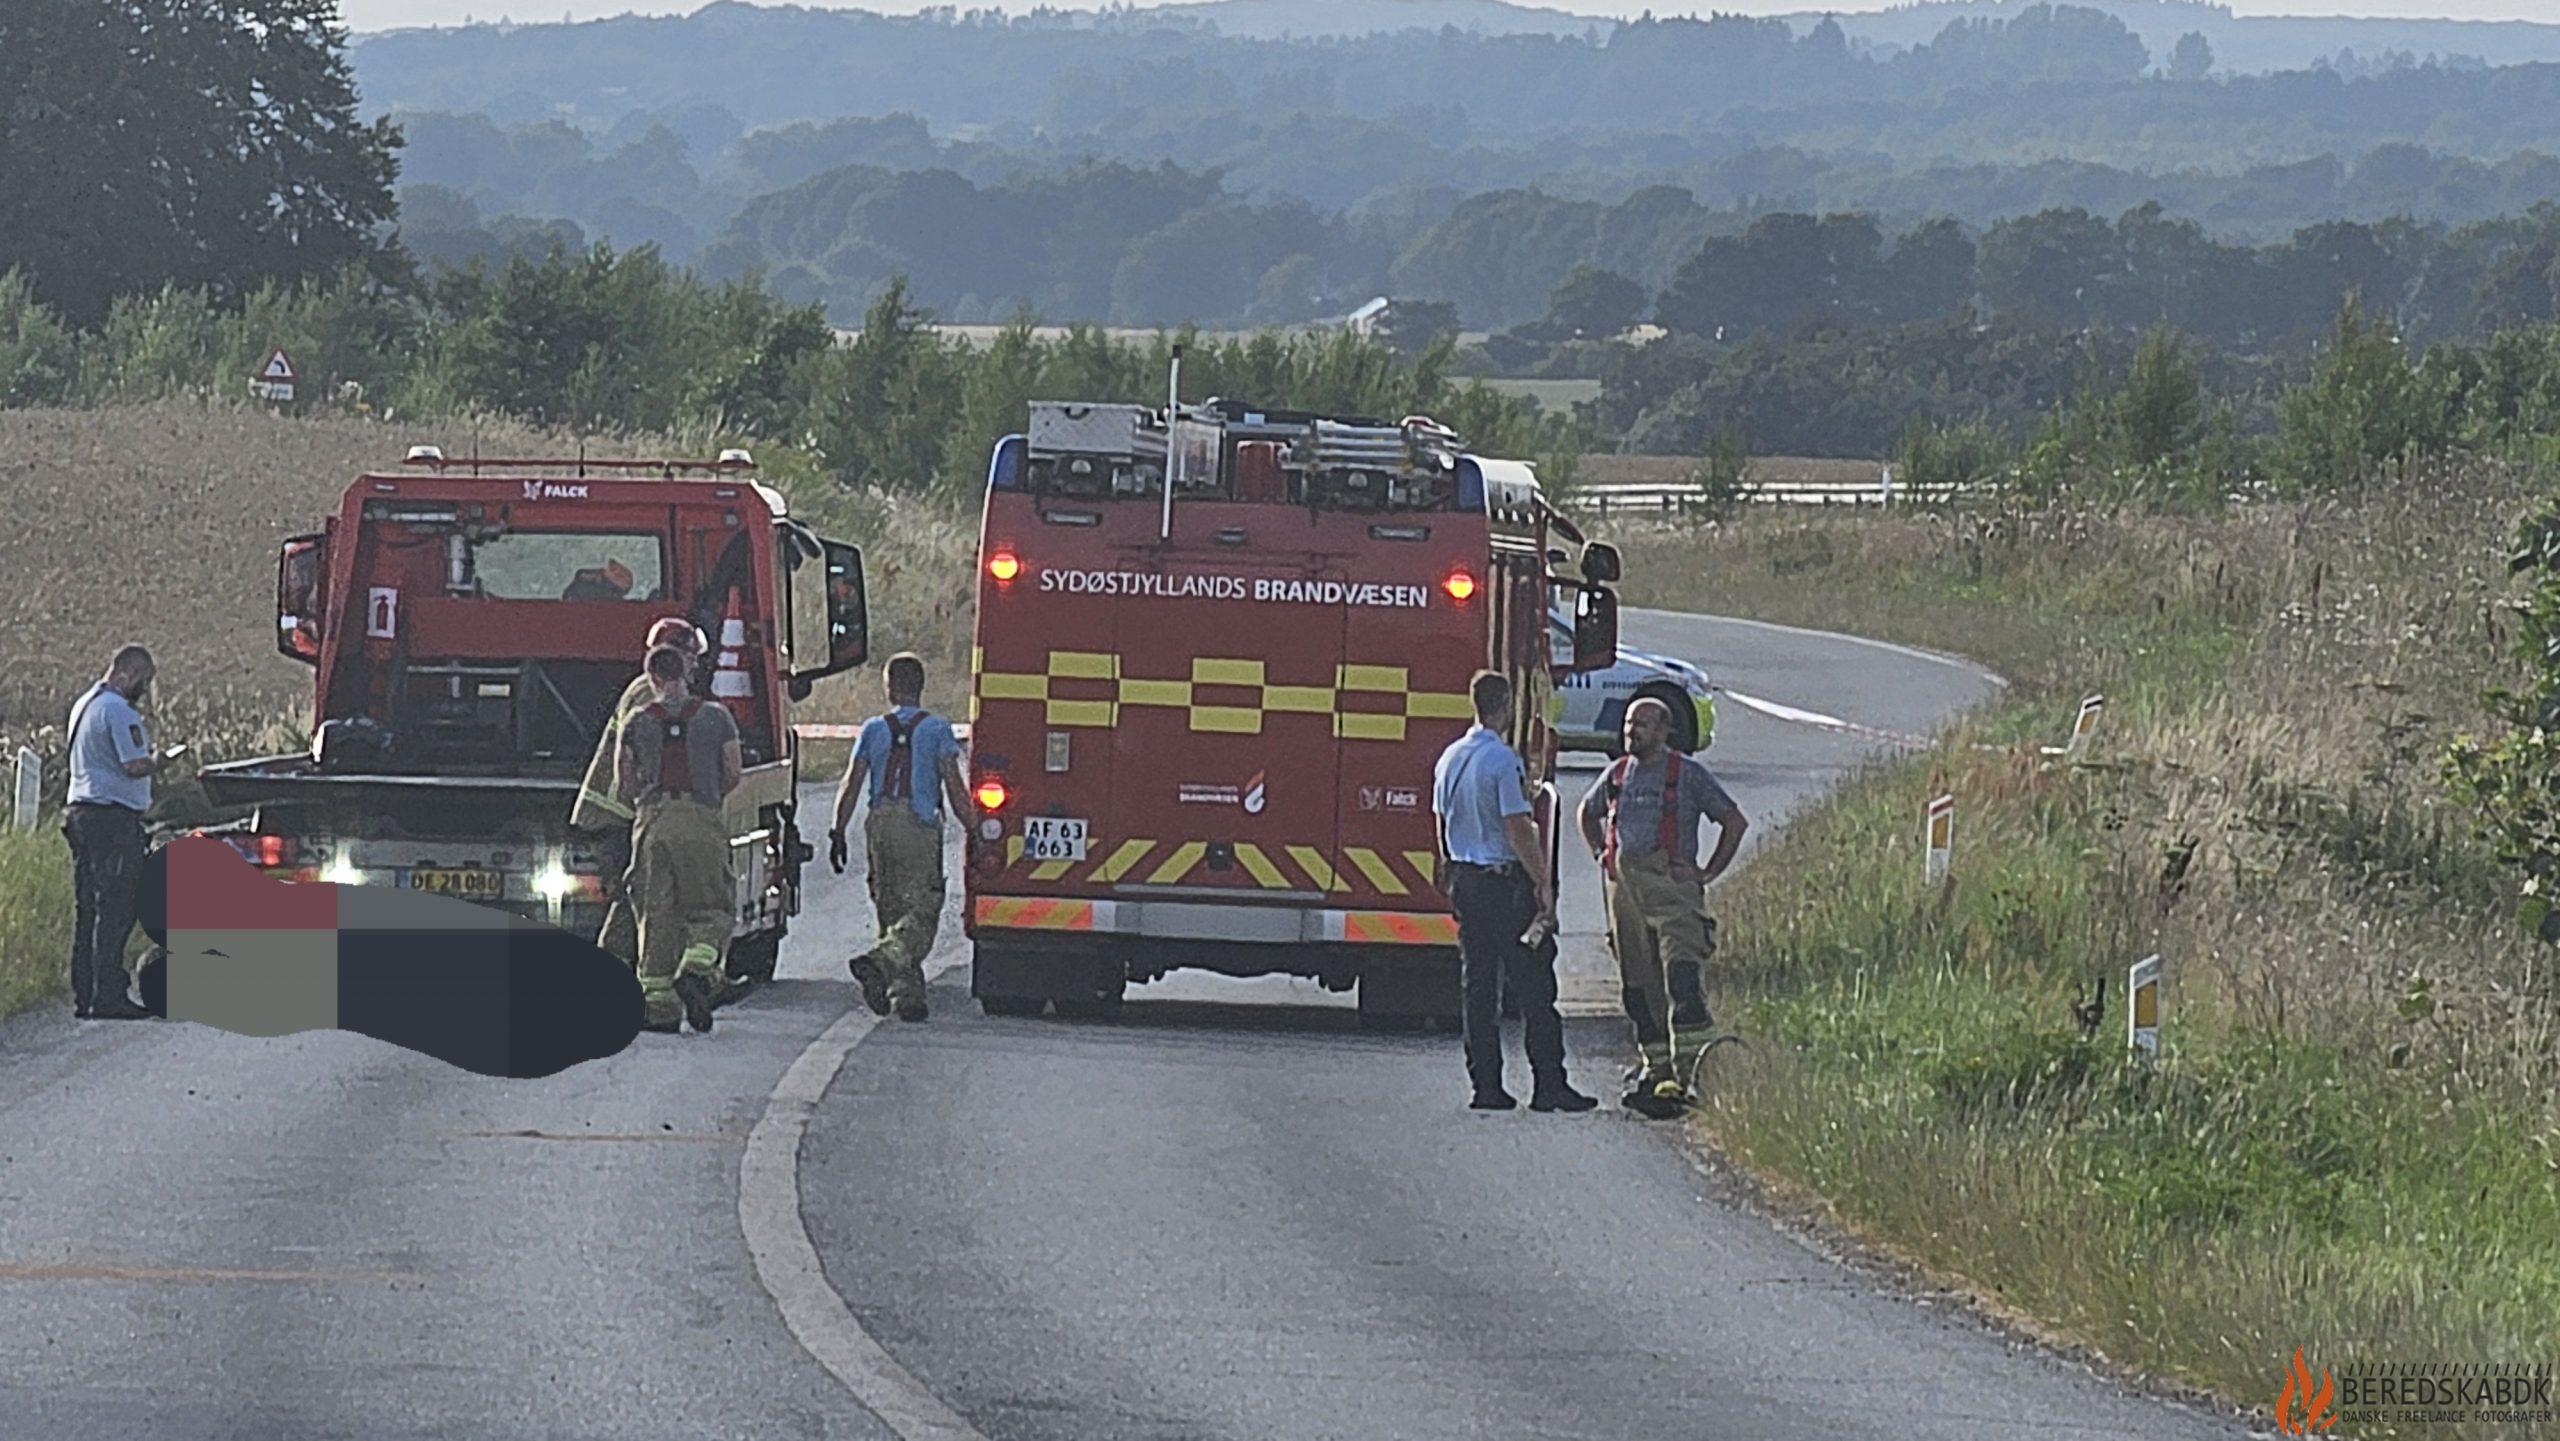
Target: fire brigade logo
point(2300, 1410)
point(1253, 795)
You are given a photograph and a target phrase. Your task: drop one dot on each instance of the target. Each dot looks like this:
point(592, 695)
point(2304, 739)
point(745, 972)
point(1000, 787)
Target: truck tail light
point(992, 793)
point(1004, 565)
point(1460, 585)
point(265, 852)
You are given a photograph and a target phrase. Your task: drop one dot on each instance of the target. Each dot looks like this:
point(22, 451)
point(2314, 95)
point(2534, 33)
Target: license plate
point(471, 885)
point(1049, 838)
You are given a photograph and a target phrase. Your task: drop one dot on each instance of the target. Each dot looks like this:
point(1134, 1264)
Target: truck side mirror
point(301, 565)
point(848, 608)
point(1595, 629)
point(1600, 563)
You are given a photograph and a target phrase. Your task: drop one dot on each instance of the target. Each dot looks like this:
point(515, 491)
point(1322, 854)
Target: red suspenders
point(675, 758)
point(1668, 833)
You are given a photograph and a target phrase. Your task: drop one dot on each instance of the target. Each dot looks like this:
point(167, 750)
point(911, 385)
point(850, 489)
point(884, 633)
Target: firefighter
point(111, 766)
point(911, 759)
point(1641, 822)
point(1505, 902)
point(676, 765)
point(602, 816)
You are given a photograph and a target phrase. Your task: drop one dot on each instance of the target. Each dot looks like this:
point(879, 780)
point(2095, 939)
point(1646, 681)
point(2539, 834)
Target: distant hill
point(2241, 44)
point(1291, 19)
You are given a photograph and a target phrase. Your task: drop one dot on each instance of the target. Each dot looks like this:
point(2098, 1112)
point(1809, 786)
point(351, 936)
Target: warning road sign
point(275, 379)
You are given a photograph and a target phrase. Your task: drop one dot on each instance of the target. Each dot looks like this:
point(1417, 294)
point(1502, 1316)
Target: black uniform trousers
point(106, 879)
point(1494, 907)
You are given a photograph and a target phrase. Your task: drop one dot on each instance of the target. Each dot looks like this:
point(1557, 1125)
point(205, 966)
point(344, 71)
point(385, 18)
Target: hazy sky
point(384, 14)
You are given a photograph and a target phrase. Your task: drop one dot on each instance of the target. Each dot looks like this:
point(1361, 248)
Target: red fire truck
point(470, 626)
point(1206, 713)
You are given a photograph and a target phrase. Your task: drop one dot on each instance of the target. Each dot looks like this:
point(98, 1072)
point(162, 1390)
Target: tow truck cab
point(470, 627)
point(1205, 728)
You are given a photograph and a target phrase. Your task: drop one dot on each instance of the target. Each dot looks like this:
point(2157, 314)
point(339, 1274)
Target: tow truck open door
point(827, 609)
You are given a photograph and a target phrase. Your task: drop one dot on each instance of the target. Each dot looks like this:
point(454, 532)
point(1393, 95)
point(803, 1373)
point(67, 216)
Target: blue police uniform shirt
point(932, 743)
point(1479, 781)
point(107, 732)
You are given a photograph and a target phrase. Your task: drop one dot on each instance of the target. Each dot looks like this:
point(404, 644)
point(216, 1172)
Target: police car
point(1591, 706)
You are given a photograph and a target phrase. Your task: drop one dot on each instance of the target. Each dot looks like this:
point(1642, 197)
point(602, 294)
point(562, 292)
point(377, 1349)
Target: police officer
point(911, 759)
point(678, 761)
point(111, 766)
point(1641, 822)
point(603, 817)
point(1500, 889)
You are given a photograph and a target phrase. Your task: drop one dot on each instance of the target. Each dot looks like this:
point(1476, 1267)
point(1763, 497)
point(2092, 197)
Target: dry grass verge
point(2353, 1144)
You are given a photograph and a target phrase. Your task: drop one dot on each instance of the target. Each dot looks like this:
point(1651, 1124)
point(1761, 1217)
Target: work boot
point(118, 1008)
point(913, 1008)
point(1493, 1099)
point(1560, 1096)
point(663, 1028)
point(694, 991)
point(874, 982)
point(738, 989)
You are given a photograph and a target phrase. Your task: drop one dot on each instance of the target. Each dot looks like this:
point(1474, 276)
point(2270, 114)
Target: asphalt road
point(1229, 1214)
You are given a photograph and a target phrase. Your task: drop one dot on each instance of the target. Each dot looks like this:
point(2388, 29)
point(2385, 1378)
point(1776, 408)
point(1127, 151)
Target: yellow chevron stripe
point(1388, 678)
point(1318, 869)
point(1380, 876)
point(1051, 870)
point(1135, 691)
point(1117, 864)
point(1179, 864)
point(1259, 866)
point(1438, 705)
point(1426, 864)
point(1007, 685)
point(1012, 849)
point(1298, 699)
point(1206, 670)
point(1084, 664)
point(1237, 720)
point(1360, 726)
point(1099, 713)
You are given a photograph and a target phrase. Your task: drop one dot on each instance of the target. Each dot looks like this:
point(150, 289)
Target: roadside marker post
point(1942, 839)
point(2084, 727)
point(2142, 1008)
point(30, 788)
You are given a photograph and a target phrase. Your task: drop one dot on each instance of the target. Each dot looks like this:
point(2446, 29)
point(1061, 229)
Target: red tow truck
point(1207, 711)
point(470, 625)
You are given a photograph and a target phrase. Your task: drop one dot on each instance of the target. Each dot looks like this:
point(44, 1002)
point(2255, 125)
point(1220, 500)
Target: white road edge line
point(1913, 652)
point(786, 1260)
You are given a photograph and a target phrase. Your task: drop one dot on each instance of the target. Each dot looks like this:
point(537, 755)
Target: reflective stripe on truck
point(1193, 920)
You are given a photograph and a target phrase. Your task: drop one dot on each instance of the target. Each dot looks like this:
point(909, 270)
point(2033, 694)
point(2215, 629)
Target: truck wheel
point(1012, 1005)
point(1684, 714)
point(752, 958)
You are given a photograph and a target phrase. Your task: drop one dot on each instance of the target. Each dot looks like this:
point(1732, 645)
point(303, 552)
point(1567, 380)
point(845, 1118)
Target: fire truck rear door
point(1225, 759)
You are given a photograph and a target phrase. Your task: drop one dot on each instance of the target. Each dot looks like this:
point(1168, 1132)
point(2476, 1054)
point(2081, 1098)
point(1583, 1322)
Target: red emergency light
point(1460, 585)
point(1004, 565)
point(992, 793)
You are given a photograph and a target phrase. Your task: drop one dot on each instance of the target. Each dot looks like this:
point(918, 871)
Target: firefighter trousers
point(684, 893)
point(1657, 922)
point(620, 936)
point(906, 893)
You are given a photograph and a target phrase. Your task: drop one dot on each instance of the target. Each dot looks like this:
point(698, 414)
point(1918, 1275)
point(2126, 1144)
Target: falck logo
point(553, 490)
point(1253, 796)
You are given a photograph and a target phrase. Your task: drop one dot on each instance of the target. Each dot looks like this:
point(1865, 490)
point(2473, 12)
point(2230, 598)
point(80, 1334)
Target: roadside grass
point(35, 917)
point(2352, 1142)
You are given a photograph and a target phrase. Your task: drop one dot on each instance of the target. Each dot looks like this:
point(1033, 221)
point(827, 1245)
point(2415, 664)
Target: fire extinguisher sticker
point(382, 612)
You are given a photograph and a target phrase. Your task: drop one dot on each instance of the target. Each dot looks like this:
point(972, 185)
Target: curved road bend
point(1230, 1214)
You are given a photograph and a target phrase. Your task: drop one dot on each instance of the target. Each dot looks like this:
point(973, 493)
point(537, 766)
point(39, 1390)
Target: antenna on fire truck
point(1172, 447)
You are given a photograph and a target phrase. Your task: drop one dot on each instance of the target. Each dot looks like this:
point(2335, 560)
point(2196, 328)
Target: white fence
point(1682, 497)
